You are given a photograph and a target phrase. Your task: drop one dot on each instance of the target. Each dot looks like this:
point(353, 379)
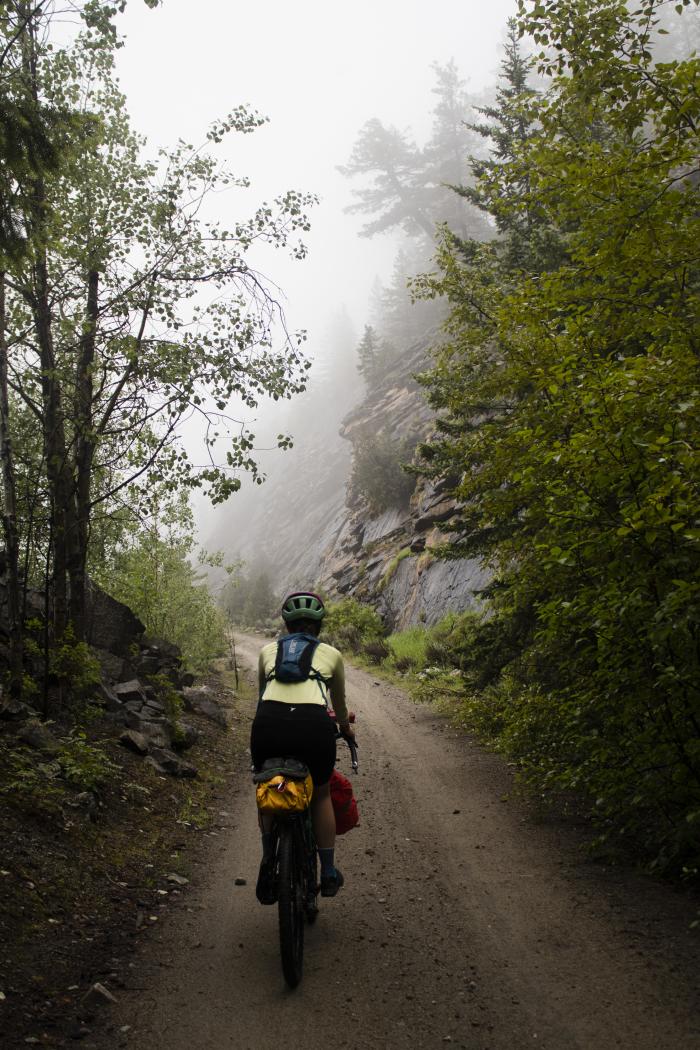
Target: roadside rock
point(157, 731)
point(158, 657)
point(157, 734)
point(201, 700)
point(112, 626)
point(105, 696)
point(98, 995)
point(177, 880)
point(134, 741)
point(35, 734)
point(130, 692)
point(113, 667)
point(185, 736)
point(164, 761)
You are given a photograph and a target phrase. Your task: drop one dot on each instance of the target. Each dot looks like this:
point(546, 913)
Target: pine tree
point(503, 182)
point(368, 354)
point(396, 196)
point(447, 156)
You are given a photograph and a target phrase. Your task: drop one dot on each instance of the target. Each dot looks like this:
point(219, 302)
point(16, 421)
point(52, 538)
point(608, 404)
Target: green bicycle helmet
point(302, 605)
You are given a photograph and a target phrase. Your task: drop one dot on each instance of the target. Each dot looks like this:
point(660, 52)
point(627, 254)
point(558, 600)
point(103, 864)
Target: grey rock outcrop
point(389, 559)
point(111, 626)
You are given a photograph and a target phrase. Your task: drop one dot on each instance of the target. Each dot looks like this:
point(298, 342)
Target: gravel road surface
point(468, 919)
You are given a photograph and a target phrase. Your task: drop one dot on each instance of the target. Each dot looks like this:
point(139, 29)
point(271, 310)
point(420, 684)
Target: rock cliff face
point(308, 524)
point(387, 559)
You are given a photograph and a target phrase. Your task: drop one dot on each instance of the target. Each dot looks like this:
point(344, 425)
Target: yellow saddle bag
point(283, 786)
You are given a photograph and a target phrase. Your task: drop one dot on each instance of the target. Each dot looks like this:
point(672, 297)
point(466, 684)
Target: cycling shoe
point(330, 884)
point(266, 887)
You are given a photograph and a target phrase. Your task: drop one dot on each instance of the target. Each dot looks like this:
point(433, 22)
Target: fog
point(318, 71)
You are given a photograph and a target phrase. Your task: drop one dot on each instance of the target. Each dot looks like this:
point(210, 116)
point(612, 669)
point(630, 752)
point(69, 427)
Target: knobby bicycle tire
point(311, 888)
point(291, 904)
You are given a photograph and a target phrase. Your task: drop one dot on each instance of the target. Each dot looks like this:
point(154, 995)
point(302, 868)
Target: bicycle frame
point(296, 876)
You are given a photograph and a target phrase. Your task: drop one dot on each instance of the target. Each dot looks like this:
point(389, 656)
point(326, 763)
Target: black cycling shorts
point(302, 731)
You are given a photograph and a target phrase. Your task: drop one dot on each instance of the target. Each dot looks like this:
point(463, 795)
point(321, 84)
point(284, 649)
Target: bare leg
point(323, 817)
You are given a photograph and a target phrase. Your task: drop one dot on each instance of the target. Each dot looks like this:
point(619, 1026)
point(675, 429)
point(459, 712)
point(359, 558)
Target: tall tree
point(447, 155)
point(503, 179)
point(568, 393)
point(397, 194)
point(112, 343)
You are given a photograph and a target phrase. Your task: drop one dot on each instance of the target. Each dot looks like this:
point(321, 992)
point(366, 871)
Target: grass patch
point(408, 649)
point(393, 566)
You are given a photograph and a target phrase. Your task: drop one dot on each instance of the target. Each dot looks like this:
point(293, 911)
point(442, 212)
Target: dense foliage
point(349, 625)
point(124, 312)
point(378, 476)
point(249, 599)
point(569, 401)
point(153, 574)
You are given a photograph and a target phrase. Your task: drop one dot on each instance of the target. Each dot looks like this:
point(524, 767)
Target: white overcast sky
point(318, 70)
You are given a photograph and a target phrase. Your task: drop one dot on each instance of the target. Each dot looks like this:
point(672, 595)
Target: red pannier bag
point(344, 804)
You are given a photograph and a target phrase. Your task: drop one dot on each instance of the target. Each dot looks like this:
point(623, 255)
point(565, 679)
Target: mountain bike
point(295, 867)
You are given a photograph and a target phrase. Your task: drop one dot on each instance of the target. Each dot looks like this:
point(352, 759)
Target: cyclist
point(292, 720)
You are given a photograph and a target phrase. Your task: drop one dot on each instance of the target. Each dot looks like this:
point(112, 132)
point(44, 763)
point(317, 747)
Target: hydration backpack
point(293, 661)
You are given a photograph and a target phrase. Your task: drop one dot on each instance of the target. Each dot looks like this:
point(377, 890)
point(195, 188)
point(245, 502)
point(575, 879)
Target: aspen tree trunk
point(56, 454)
point(85, 441)
point(9, 514)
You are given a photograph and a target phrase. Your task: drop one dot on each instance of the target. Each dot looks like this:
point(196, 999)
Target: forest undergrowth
point(449, 666)
point(93, 857)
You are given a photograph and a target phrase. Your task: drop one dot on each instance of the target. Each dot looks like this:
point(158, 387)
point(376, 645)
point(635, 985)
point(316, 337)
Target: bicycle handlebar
point(350, 741)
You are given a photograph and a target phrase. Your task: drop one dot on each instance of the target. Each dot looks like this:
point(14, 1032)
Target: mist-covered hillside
point(280, 527)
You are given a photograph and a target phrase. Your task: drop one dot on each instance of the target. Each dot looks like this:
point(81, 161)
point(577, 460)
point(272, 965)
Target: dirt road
point(465, 921)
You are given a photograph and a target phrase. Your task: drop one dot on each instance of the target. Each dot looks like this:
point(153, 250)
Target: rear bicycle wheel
point(291, 904)
point(311, 888)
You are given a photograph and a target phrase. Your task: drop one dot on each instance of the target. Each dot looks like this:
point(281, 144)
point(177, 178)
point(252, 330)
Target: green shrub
point(408, 649)
point(376, 650)
point(83, 765)
point(72, 663)
point(168, 696)
point(349, 625)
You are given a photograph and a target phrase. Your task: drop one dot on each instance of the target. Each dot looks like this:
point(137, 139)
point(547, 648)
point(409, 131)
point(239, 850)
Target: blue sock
point(327, 865)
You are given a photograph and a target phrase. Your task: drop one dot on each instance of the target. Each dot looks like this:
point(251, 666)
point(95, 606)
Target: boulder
point(185, 736)
point(156, 730)
point(148, 665)
point(110, 624)
point(35, 734)
point(134, 741)
point(164, 761)
point(199, 698)
point(130, 692)
point(105, 696)
point(166, 651)
point(113, 667)
point(158, 734)
point(153, 708)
